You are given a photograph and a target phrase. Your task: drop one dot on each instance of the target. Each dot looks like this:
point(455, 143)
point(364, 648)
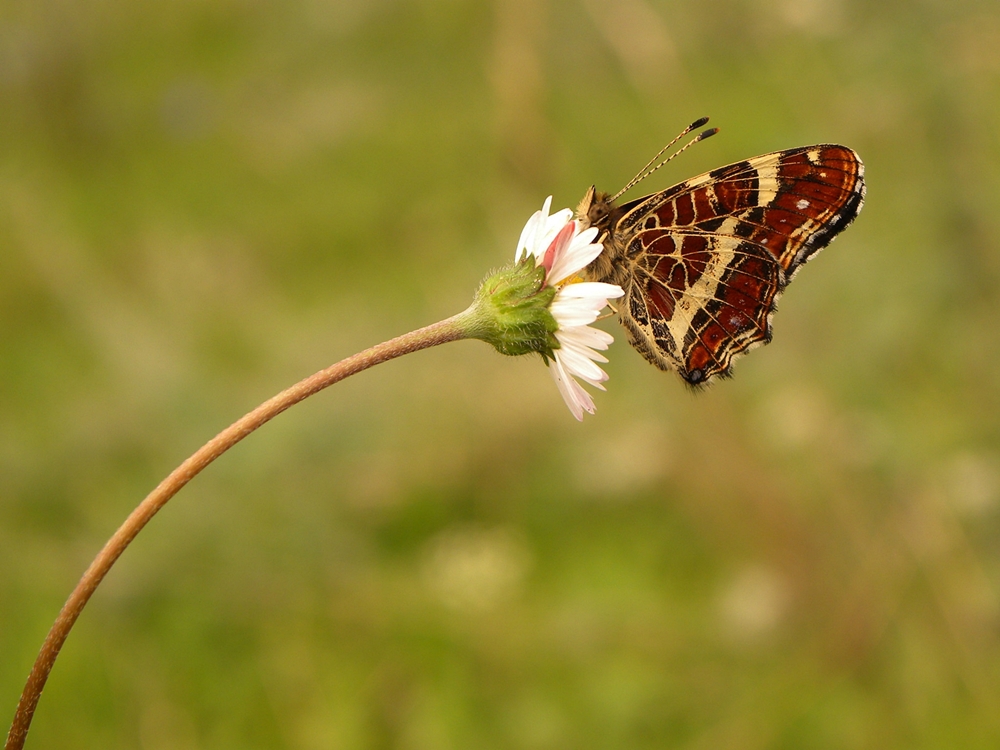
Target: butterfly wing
point(705, 261)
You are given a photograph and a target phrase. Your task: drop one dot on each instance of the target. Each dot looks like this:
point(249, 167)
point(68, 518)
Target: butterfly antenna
point(646, 171)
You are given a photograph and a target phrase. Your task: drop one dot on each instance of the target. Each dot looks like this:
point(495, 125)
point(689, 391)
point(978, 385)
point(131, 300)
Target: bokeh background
point(202, 202)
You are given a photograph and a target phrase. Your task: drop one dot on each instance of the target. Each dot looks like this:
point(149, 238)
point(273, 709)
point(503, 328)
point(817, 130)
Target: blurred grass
point(202, 202)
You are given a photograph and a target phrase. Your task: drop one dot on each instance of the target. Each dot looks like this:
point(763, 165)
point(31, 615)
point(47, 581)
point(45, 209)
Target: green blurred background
point(202, 202)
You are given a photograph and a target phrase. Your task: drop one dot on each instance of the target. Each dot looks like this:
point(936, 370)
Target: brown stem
point(452, 329)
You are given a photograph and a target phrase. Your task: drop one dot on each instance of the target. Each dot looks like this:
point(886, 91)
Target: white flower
point(558, 244)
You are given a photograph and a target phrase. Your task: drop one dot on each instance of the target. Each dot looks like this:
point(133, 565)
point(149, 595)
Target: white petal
point(554, 223)
point(562, 383)
point(588, 338)
point(586, 351)
point(568, 315)
point(596, 382)
point(579, 365)
point(587, 236)
point(592, 290)
point(582, 397)
point(570, 312)
point(527, 239)
point(577, 399)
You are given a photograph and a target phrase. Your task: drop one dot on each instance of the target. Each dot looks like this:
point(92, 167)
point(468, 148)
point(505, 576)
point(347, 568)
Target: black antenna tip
point(707, 133)
point(697, 124)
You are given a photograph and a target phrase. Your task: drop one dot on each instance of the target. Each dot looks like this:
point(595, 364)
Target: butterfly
point(703, 263)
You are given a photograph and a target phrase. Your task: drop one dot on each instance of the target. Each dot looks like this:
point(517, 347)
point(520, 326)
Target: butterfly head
point(599, 210)
point(595, 209)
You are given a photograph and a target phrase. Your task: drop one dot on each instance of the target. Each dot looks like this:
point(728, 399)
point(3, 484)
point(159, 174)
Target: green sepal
point(511, 311)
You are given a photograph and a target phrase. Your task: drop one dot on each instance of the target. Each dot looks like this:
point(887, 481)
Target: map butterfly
point(703, 263)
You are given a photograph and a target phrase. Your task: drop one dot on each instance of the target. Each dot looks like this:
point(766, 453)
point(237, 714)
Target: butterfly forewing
point(703, 263)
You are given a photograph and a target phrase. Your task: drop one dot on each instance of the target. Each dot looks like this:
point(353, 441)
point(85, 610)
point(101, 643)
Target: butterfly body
point(703, 263)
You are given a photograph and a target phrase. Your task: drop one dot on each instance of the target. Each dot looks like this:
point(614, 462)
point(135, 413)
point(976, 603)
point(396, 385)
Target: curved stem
point(451, 329)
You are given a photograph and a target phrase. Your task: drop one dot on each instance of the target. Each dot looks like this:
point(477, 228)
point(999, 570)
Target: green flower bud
point(511, 311)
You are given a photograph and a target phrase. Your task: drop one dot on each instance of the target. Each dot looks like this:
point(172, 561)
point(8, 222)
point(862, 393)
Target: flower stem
point(452, 329)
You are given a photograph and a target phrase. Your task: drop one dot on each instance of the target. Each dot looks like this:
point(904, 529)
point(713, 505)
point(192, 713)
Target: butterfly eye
point(598, 212)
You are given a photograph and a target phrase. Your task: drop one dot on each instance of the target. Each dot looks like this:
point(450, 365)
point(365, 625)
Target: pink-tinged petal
point(574, 258)
point(556, 249)
point(552, 227)
point(568, 265)
point(581, 252)
point(539, 231)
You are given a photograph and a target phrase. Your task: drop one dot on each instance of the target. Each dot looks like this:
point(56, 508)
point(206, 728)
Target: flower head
point(563, 250)
point(541, 304)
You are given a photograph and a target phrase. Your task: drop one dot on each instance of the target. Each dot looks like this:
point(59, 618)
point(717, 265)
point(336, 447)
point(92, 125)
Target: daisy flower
point(558, 245)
